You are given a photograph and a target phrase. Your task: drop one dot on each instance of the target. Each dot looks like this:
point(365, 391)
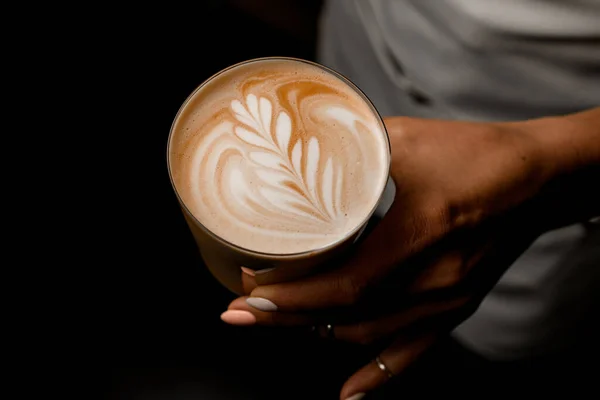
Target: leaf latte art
point(285, 184)
point(280, 159)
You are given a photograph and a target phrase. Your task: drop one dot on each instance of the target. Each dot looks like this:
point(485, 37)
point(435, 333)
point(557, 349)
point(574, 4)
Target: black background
point(149, 326)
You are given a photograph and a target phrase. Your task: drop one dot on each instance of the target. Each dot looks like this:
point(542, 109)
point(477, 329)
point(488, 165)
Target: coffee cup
point(279, 165)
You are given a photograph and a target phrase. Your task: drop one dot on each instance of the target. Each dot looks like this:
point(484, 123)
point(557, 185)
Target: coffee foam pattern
point(278, 157)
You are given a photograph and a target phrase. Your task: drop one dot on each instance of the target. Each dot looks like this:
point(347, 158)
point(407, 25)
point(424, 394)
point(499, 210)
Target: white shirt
point(489, 60)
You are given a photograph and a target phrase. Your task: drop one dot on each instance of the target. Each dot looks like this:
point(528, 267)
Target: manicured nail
point(261, 304)
point(238, 317)
point(357, 396)
point(264, 271)
point(247, 271)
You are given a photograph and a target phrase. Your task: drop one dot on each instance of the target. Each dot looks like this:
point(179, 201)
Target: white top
point(489, 60)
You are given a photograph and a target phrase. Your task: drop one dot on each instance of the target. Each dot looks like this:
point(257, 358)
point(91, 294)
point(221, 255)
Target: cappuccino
point(279, 156)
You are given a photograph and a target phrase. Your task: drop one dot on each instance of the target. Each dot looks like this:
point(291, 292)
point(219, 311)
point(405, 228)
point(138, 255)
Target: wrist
point(566, 152)
point(543, 149)
point(565, 144)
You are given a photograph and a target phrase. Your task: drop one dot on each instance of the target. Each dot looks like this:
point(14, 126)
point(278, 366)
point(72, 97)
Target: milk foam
point(278, 157)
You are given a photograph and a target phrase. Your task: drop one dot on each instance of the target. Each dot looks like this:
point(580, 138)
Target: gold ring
point(383, 367)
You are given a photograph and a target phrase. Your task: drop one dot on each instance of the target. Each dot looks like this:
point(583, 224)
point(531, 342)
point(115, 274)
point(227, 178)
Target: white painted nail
point(261, 304)
point(263, 271)
point(357, 396)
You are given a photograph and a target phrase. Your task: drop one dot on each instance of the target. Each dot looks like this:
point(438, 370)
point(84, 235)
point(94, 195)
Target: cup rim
point(305, 253)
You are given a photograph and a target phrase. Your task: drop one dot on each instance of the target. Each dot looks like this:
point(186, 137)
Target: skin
point(471, 197)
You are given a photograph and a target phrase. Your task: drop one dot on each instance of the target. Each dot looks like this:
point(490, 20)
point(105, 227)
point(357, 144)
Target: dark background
point(154, 323)
point(144, 310)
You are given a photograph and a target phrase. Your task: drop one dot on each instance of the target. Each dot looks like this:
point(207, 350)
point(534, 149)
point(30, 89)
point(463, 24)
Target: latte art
point(283, 181)
point(280, 159)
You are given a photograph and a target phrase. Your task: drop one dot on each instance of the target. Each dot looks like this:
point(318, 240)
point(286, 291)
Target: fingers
point(327, 290)
point(365, 332)
point(392, 361)
point(346, 287)
point(388, 244)
point(239, 307)
point(368, 332)
point(447, 271)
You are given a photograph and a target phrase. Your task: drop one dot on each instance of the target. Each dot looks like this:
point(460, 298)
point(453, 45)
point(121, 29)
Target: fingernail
point(264, 271)
point(357, 396)
point(247, 271)
point(238, 317)
point(261, 304)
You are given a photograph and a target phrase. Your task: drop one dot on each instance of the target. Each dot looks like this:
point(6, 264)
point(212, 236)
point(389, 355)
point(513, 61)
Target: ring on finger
point(383, 367)
point(329, 331)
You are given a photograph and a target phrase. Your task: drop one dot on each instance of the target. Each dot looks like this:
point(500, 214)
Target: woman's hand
point(402, 315)
point(467, 204)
